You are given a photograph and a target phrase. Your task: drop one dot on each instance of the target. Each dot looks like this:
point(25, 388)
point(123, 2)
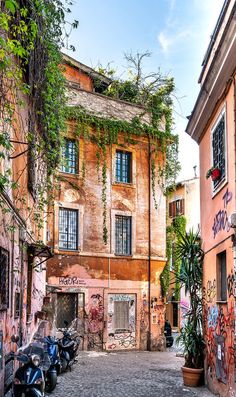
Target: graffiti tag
point(71, 281)
point(221, 220)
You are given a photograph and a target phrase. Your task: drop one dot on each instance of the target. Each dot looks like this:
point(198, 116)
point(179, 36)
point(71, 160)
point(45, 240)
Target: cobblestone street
point(129, 374)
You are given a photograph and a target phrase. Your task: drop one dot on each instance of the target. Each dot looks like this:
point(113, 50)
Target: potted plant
point(214, 173)
point(191, 334)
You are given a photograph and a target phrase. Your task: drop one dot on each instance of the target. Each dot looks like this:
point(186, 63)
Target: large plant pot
point(192, 376)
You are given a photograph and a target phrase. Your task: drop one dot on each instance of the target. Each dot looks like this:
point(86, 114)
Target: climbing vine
point(31, 36)
point(173, 236)
point(153, 93)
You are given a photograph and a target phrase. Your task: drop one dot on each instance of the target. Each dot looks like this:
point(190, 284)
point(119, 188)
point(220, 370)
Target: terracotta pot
point(215, 174)
point(192, 376)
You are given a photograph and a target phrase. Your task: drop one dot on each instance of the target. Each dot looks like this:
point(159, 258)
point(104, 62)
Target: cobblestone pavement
point(126, 374)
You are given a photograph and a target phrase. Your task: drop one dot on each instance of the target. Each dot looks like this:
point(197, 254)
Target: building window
point(4, 279)
point(221, 277)
point(176, 208)
point(67, 308)
point(123, 235)
point(17, 304)
point(68, 229)
point(218, 149)
point(121, 315)
point(123, 166)
point(70, 157)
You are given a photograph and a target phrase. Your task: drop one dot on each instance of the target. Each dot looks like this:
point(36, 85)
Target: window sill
point(123, 184)
point(123, 255)
point(222, 302)
point(67, 251)
point(70, 174)
point(219, 187)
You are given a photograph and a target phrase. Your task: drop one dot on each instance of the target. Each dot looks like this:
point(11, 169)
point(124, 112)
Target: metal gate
point(67, 308)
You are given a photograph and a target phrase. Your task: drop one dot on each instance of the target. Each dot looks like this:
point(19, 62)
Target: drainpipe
point(149, 245)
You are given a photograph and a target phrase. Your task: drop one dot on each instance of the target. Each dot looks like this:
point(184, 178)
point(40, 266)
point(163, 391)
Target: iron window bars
point(123, 166)
point(70, 157)
point(218, 149)
point(123, 235)
point(68, 229)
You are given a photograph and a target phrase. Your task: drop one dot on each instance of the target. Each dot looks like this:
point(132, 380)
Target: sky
point(176, 32)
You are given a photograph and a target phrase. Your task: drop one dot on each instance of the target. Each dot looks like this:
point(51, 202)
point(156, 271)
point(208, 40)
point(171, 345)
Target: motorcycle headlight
point(38, 381)
point(35, 360)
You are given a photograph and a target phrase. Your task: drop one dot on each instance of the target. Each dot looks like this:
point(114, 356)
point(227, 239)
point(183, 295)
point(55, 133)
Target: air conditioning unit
point(232, 220)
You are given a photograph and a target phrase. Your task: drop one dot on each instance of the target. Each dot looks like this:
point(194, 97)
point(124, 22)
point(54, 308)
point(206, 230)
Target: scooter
point(29, 378)
point(68, 347)
point(55, 366)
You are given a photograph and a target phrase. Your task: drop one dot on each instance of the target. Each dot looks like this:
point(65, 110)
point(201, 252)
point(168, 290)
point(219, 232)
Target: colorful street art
point(121, 338)
point(219, 325)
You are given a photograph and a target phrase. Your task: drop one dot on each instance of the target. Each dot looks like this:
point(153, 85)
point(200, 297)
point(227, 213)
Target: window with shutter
point(121, 315)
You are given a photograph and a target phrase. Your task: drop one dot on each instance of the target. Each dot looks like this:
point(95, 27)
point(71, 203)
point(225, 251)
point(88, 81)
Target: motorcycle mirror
point(66, 323)
point(15, 338)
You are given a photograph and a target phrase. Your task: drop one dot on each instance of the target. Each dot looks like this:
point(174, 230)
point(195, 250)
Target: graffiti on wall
point(65, 281)
point(230, 284)
point(37, 293)
point(95, 322)
point(219, 326)
point(121, 338)
point(221, 219)
point(209, 292)
point(122, 341)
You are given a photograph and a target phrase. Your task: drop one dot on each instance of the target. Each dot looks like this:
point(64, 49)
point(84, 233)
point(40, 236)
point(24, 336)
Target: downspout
point(149, 245)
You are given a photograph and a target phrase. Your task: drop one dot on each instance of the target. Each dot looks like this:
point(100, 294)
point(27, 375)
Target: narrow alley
point(129, 374)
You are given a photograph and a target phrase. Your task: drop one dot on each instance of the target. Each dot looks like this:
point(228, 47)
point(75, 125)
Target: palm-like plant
point(190, 276)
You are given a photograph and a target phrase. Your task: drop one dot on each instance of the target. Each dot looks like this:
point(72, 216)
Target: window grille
point(123, 166)
point(121, 315)
point(70, 157)
point(123, 235)
point(4, 279)
point(218, 149)
point(68, 229)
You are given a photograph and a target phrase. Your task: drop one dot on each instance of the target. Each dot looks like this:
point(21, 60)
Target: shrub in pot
point(191, 334)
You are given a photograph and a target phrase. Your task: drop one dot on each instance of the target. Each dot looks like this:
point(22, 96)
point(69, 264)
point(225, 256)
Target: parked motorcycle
point(55, 366)
point(29, 378)
point(68, 345)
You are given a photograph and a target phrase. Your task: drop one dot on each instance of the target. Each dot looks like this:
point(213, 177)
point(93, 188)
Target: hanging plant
point(214, 173)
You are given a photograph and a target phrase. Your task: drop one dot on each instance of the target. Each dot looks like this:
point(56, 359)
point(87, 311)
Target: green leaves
point(191, 255)
point(11, 5)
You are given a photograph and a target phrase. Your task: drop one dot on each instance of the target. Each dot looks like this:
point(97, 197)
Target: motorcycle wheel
point(51, 381)
point(63, 365)
point(31, 393)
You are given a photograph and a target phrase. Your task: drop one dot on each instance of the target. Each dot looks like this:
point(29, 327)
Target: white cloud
point(167, 41)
